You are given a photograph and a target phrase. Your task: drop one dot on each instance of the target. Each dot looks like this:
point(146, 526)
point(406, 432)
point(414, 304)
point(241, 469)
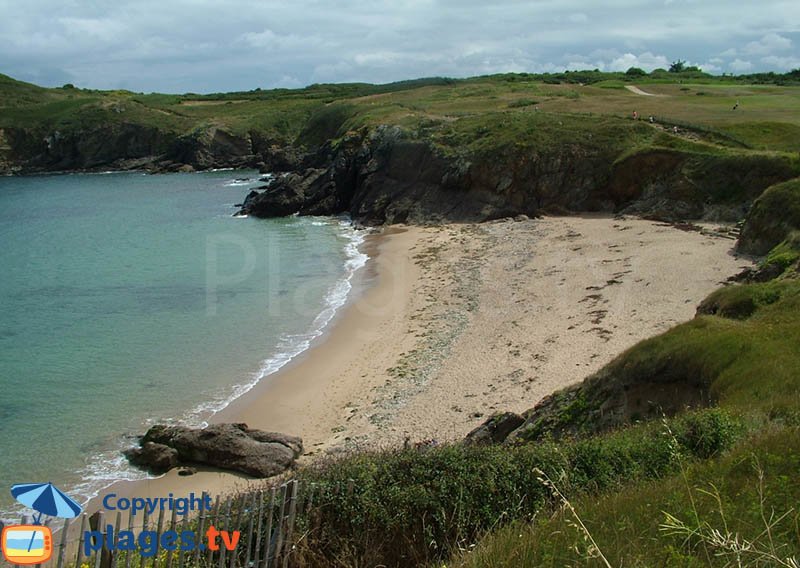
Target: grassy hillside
point(767, 118)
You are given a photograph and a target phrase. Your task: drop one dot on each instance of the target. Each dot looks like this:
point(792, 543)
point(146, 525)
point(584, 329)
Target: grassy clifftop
point(486, 146)
point(468, 115)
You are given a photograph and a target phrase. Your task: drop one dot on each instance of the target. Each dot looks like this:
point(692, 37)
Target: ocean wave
point(290, 346)
point(108, 467)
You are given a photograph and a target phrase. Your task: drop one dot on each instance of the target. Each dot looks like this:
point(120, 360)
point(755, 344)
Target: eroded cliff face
point(133, 146)
point(27, 151)
point(387, 177)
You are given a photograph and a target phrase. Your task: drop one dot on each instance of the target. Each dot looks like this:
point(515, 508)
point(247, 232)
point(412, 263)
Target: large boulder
point(226, 446)
point(291, 193)
point(155, 458)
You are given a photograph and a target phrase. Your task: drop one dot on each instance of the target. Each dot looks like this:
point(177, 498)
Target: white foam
point(290, 346)
point(110, 466)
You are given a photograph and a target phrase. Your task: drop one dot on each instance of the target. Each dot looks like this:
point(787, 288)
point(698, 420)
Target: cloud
point(770, 43)
point(646, 61)
point(206, 45)
point(740, 66)
point(782, 63)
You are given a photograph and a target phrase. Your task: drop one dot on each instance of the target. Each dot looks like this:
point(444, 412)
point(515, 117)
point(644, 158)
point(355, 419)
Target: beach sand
point(459, 321)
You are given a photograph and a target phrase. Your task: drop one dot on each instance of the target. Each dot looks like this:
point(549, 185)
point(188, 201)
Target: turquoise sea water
point(127, 299)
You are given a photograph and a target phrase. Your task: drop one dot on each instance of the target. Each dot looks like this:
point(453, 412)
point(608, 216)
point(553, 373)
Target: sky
point(202, 46)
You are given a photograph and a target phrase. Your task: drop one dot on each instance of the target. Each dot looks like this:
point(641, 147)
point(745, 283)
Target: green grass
point(406, 508)
point(447, 109)
point(786, 253)
point(773, 217)
point(733, 494)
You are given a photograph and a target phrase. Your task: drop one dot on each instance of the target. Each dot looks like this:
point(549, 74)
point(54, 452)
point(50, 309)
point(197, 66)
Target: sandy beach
point(459, 321)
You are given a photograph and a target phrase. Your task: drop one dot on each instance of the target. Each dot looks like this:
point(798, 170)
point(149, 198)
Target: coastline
point(455, 322)
point(285, 401)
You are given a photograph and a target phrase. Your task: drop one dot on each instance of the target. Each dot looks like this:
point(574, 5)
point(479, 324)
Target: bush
point(410, 507)
point(773, 216)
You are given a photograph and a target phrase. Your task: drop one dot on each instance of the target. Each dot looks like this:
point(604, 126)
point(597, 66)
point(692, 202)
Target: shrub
point(401, 508)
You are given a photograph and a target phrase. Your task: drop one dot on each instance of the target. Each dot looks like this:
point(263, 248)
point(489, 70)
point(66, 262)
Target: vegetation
point(774, 217)
point(405, 508)
point(736, 510)
point(768, 117)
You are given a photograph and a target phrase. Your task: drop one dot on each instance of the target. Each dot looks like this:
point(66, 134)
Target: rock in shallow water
point(155, 458)
point(226, 446)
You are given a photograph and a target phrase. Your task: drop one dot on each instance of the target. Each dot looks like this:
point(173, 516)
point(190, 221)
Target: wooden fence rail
point(264, 520)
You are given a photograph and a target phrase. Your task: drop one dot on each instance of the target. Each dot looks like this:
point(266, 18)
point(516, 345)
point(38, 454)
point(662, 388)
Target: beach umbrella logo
point(33, 544)
point(46, 499)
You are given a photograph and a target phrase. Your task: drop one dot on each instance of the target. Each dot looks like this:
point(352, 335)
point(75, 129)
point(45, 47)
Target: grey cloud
point(200, 45)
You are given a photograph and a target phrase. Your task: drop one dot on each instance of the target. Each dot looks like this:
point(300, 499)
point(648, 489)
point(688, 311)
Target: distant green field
point(767, 116)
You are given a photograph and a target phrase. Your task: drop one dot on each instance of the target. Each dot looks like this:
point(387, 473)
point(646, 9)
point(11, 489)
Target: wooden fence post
point(145, 519)
point(290, 528)
point(213, 519)
point(79, 558)
point(226, 519)
point(200, 530)
point(97, 525)
point(281, 522)
point(62, 547)
point(237, 526)
point(250, 514)
point(128, 553)
point(181, 552)
point(159, 527)
point(268, 533)
point(46, 524)
point(114, 554)
point(171, 527)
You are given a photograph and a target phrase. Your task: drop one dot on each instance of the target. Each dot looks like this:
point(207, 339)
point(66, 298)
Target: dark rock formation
point(749, 275)
point(226, 446)
point(386, 176)
point(291, 193)
point(155, 458)
point(495, 430)
point(131, 146)
point(212, 148)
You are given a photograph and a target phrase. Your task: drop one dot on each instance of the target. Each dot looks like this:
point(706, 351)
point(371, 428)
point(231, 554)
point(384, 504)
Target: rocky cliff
point(388, 176)
point(123, 146)
point(385, 174)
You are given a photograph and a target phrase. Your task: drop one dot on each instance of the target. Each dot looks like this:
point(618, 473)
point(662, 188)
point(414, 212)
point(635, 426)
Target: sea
point(129, 299)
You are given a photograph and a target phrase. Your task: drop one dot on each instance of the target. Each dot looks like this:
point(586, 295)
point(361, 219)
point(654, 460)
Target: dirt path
point(638, 91)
